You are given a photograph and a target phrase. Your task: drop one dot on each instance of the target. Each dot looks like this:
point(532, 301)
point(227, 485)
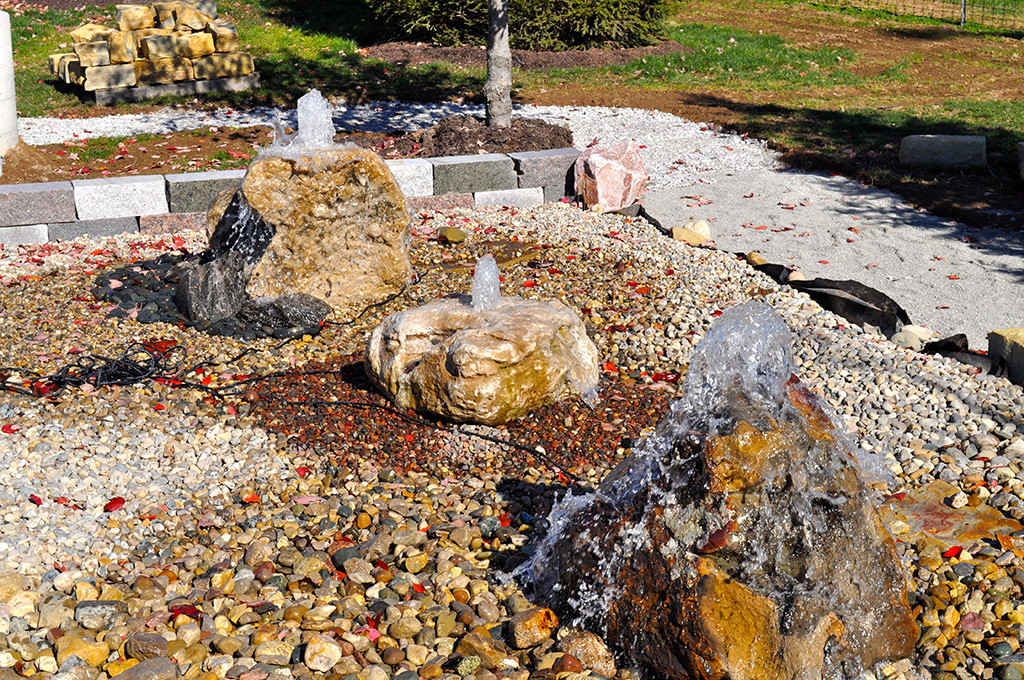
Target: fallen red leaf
point(529, 284)
point(418, 588)
point(185, 610)
point(113, 504)
point(955, 551)
point(610, 367)
point(251, 498)
point(303, 471)
point(9, 429)
point(158, 407)
point(954, 277)
point(36, 500)
point(822, 261)
point(62, 500)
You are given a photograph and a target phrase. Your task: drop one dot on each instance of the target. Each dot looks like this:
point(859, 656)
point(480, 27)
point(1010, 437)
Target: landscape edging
point(22, 205)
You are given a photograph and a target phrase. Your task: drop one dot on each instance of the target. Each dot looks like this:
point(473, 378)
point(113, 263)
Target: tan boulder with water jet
point(482, 366)
point(340, 223)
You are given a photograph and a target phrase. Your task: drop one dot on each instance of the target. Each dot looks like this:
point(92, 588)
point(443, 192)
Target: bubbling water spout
point(486, 290)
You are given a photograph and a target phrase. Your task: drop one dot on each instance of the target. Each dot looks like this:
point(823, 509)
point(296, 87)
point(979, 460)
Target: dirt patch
point(412, 54)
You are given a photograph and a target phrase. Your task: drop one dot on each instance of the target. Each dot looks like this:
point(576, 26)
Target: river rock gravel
point(255, 547)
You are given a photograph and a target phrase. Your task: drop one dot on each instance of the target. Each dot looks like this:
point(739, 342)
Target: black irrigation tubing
point(533, 451)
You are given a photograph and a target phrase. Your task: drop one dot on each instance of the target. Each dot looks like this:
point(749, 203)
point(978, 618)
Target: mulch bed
point(332, 410)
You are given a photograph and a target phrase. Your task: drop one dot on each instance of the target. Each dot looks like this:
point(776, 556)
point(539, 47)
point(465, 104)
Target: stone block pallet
point(180, 47)
point(58, 211)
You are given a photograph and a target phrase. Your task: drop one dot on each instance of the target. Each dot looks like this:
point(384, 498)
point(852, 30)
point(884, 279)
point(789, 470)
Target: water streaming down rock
point(312, 220)
point(739, 540)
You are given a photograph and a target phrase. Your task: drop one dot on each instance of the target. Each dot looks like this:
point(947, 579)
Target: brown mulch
point(331, 410)
point(412, 53)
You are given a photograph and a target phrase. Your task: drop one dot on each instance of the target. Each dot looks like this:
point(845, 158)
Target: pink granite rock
point(610, 179)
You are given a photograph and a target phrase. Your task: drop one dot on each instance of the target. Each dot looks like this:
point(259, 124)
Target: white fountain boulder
point(482, 359)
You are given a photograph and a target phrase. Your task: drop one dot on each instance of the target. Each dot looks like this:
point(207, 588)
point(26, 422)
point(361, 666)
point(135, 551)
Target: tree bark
point(498, 88)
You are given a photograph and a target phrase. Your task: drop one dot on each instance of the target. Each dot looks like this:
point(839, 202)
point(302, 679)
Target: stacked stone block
point(158, 44)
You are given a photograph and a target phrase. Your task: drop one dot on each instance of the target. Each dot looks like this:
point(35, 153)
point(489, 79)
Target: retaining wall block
point(29, 233)
point(544, 168)
point(415, 176)
point(23, 204)
point(943, 151)
point(97, 199)
point(470, 174)
point(110, 226)
point(193, 191)
point(513, 198)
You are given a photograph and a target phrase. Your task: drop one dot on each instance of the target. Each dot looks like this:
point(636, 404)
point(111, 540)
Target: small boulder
point(610, 179)
point(485, 366)
point(688, 236)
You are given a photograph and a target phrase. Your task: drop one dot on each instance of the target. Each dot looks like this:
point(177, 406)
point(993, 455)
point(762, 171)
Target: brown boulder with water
point(741, 534)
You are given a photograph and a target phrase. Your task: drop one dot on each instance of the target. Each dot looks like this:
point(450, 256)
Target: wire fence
point(1002, 14)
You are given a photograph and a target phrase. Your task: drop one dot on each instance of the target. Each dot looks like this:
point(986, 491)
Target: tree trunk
point(498, 88)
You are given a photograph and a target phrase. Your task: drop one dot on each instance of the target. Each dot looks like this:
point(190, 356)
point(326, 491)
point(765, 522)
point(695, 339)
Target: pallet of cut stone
point(180, 47)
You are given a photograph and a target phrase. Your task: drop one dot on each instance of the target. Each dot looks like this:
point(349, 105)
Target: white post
point(8, 107)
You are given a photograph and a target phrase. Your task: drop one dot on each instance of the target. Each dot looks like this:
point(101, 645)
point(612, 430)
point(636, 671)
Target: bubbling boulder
point(487, 359)
point(311, 218)
point(741, 533)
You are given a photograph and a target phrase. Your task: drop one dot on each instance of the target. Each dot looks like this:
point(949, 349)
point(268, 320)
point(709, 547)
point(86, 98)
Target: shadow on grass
point(346, 18)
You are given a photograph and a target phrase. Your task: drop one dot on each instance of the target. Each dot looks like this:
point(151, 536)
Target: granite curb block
point(512, 198)
point(36, 213)
point(22, 204)
point(944, 151)
point(194, 191)
point(544, 168)
point(470, 174)
point(29, 233)
point(111, 226)
point(415, 176)
point(120, 197)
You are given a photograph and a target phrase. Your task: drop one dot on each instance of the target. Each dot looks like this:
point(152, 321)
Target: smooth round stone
point(363, 520)
point(392, 656)
point(430, 671)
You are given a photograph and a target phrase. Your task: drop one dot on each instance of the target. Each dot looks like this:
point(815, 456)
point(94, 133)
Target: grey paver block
point(544, 168)
point(97, 199)
point(554, 193)
point(513, 198)
point(193, 191)
point(29, 233)
point(22, 204)
point(469, 174)
point(415, 176)
point(943, 151)
point(111, 226)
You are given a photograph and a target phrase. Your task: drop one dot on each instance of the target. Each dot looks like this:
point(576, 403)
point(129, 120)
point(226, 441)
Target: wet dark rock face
point(741, 533)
